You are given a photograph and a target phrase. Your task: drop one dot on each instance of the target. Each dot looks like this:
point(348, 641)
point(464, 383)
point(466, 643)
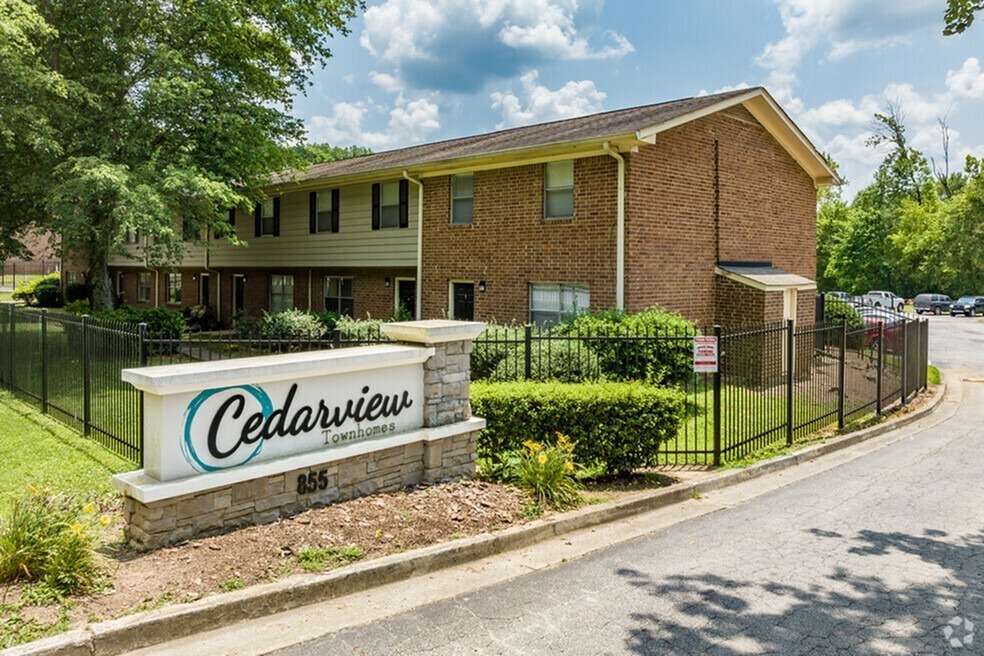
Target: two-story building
point(704, 205)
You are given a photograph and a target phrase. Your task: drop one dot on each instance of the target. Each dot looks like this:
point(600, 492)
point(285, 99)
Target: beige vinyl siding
point(132, 254)
point(356, 244)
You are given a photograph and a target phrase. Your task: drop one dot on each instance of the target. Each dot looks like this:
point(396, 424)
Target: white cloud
point(968, 82)
point(540, 104)
point(410, 121)
point(386, 82)
point(459, 45)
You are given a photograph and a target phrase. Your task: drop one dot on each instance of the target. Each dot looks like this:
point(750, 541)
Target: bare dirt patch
point(360, 529)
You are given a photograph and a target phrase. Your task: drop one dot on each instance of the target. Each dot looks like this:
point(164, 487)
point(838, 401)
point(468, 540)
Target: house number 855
point(312, 481)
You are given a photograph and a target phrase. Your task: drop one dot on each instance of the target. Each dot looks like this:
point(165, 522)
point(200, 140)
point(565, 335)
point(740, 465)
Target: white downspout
point(620, 230)
point(420, 244)
point(218, 286)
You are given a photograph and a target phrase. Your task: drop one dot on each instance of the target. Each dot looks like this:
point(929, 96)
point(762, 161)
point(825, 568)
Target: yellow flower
point(88, 507)
point(33, 489)
point(568, 466)
point(105, 519)
point(542, 458)
point(78, 528)
point(561, 439)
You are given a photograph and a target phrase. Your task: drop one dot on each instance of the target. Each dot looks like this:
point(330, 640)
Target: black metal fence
point(14, 272)
point(776, 383)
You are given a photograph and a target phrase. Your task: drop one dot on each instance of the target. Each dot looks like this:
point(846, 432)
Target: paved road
point(881, 555)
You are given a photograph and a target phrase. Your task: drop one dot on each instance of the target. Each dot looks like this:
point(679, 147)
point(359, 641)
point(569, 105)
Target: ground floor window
point(143, 286)
point(174, 288)
point(551, 302)
point(338, 295)
point(281, 293)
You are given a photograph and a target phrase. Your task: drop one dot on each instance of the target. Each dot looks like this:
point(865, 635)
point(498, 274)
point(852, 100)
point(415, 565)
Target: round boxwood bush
point(47, 293)
point(292, 325)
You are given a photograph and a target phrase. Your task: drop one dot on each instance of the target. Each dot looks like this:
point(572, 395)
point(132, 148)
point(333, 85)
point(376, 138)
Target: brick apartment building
point(704, 205)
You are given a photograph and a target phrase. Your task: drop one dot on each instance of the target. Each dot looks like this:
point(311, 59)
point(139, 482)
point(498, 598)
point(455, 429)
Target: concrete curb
point(165, 624)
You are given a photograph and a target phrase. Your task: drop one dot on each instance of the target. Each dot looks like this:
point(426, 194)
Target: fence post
point(11, 347)
point(880, 368)
point(717, 399)
point(336, 338)
point(528, 364)
point(144, 347)
point(790, 363)
point(841, 373)
point(86, 382)
point(905, 361)
point(44, 360)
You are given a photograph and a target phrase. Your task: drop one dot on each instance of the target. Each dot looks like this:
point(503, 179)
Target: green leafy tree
point(179, 108)
point(315, 153)
point(832, 218)
point(964, 238)
point(959, 15)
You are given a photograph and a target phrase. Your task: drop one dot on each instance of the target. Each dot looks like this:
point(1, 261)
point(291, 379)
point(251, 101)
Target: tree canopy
point(125, 114)
point(959, 15)
point(909, 231)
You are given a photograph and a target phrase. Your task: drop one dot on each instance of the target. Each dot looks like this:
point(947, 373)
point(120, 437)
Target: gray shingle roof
point(595, 126)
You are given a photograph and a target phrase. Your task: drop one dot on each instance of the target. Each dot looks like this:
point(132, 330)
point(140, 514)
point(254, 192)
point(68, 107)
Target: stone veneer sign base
point(240, 442)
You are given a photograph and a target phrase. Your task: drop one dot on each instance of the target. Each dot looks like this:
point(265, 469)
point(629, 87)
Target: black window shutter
point(258, 220)
point(404, 204)
point(276, 216)
point(313, 212)
point(232, 216)
point(375, 206)
point(334, 209)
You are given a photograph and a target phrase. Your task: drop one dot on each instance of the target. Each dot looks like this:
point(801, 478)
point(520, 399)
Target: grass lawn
point(37, 450)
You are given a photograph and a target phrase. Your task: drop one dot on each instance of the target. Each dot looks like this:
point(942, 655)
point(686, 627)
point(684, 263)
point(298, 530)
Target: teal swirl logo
point(188, 447)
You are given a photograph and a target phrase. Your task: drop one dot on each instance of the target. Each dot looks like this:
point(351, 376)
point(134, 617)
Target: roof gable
point(625, 127)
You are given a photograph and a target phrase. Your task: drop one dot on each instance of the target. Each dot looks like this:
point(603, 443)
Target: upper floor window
point(558, 201)
point(324, 211)
point(550, 303)
point(462, 198)
point(267, 218)
point(174, 288)
point(189, 232)
point(390, 205)
point(338, 295)
point(281, 293)
point(132, 237)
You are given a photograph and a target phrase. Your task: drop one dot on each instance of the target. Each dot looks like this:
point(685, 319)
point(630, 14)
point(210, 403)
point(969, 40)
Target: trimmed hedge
point(620, 426)
point(567, 361)
point(625, 358)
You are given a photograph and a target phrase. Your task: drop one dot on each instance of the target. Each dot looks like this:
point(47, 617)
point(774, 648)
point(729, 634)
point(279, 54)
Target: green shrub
point(79, 307)
point(836, 310)
point(27, 291)
point(619, 426)
point(47, 293)
point(162, 323)
point(329, 319)
point(44, 538)
point(77, 291)
point(564, 360)
point(351, 329)
point(202, 317)
point(292, 325)
point(651, 360)
point(492, 347)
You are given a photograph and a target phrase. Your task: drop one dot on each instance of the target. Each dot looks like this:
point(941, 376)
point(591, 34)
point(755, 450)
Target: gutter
point(620, 230)
point(418, 297)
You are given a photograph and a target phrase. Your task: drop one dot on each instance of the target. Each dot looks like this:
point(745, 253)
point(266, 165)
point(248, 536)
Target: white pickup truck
point(884, 299)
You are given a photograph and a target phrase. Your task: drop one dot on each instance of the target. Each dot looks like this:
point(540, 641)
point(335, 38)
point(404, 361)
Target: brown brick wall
point(510, 244)
point(767, 213)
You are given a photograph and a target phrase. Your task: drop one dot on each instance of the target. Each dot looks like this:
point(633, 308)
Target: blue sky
point(415, 71)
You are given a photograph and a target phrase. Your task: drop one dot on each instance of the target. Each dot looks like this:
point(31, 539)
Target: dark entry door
point(406, 294)
point(204, 298)
point(238, 293)
point(463, 299)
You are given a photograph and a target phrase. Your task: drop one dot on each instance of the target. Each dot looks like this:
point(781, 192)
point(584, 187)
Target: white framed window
point(558, 189)
point(174, 288)
point(389, 205)
point(338, 295)
point(462, 198)
point(267, 217)
point(281, 293)
point(552, 302)
point(143, 287)
point(132, 237)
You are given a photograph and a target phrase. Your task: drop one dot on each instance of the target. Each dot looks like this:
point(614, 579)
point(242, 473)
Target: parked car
point(884, 299)
point(935, 303)
point(967, 305)
point(844, 296)
point(892, 331)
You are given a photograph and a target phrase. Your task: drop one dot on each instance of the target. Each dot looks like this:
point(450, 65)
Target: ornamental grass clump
point(45, 538)
point(547, 473)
